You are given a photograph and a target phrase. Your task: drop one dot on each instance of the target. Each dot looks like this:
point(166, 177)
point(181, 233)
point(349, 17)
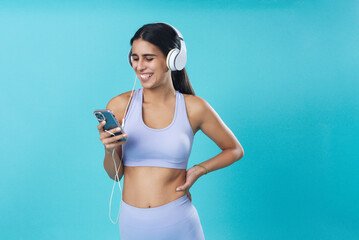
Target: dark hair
point(165, 38)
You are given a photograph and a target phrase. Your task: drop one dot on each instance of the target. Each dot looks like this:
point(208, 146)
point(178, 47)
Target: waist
point(146, 187)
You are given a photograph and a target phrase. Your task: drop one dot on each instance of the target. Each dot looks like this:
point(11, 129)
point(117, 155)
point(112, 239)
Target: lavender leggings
point(177, 220)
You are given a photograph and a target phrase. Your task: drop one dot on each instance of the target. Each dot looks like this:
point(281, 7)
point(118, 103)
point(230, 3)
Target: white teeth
point(146, 76)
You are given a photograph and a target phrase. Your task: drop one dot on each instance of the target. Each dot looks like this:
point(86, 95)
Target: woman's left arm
point(212, 125)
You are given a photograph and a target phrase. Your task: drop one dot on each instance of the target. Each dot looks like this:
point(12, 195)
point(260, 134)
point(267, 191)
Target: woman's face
point(149, 63)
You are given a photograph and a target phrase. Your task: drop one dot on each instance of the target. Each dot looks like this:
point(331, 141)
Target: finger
point(100, 125)
point(120, 138)
point(110, 146)
point(181, 188)
point(111, 139)
point(109, 133)
point(113, 145)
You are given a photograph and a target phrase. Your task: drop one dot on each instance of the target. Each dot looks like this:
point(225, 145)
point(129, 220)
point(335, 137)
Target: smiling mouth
point(146, 77)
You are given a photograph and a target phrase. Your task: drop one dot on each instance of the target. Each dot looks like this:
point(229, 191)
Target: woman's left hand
point(192, 175)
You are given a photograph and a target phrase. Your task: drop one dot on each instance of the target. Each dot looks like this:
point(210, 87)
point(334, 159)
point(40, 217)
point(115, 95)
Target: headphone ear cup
point(181, 58)
point(171, 57)
point(130, 57)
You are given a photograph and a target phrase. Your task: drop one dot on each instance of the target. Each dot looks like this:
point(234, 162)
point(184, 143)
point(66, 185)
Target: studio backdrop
point(282, 75)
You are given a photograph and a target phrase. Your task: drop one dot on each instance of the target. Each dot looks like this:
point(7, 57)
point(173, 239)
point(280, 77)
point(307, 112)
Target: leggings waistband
point(160, 211)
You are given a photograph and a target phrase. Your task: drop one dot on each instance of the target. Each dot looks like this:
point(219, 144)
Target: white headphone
point(176, 58)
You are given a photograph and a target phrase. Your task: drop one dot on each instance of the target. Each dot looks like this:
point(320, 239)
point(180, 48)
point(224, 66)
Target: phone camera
point(100, 116)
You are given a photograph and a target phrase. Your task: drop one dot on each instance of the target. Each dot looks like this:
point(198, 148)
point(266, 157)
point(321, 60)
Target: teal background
point(283, 76)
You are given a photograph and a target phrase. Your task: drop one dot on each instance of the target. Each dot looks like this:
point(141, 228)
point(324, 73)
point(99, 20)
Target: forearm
point(110, 167)
point(222, 160)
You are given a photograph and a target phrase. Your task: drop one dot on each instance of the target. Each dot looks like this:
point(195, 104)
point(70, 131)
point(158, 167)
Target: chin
point(149, 84)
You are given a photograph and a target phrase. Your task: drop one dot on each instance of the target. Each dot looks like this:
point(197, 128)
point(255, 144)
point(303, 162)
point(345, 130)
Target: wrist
point(108, 151)
point(200, 169)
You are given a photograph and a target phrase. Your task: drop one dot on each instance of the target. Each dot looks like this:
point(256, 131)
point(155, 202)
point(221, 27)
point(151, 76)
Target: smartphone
point(111, 121)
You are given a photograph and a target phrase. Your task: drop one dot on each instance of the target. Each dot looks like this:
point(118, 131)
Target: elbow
point(239, 152)
point(242, 154)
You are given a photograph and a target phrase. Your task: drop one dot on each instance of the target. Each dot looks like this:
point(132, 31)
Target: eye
point(134, 59)
point(149, 59)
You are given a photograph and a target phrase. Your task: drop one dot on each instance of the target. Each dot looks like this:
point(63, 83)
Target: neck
point(160, 94)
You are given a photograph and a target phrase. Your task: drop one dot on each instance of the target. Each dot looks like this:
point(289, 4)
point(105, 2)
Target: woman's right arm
point(118, 106)
point(110, 157)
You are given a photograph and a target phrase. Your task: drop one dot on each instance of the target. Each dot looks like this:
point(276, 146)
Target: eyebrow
point(144, 55)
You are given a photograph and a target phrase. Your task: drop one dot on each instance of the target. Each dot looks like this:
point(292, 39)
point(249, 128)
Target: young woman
point(160, 123)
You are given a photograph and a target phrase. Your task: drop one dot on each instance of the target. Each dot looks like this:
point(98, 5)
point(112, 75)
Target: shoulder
point(197, 108)
point(119, 100)
point(196, 103)
point(118, 104)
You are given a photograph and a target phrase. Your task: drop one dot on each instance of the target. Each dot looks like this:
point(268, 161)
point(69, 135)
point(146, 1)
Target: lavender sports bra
point(168, 147)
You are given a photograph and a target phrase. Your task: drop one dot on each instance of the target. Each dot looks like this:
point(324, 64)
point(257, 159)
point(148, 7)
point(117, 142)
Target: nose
point(140, 65)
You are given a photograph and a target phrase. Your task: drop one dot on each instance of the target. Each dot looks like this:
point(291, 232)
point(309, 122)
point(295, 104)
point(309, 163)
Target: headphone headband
point(178, 33)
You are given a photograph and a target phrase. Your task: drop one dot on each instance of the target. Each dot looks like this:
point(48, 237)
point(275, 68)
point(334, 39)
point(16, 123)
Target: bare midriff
point(148, 187)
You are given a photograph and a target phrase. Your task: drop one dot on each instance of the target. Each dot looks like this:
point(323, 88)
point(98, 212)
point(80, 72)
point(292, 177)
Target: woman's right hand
point(107, 139)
